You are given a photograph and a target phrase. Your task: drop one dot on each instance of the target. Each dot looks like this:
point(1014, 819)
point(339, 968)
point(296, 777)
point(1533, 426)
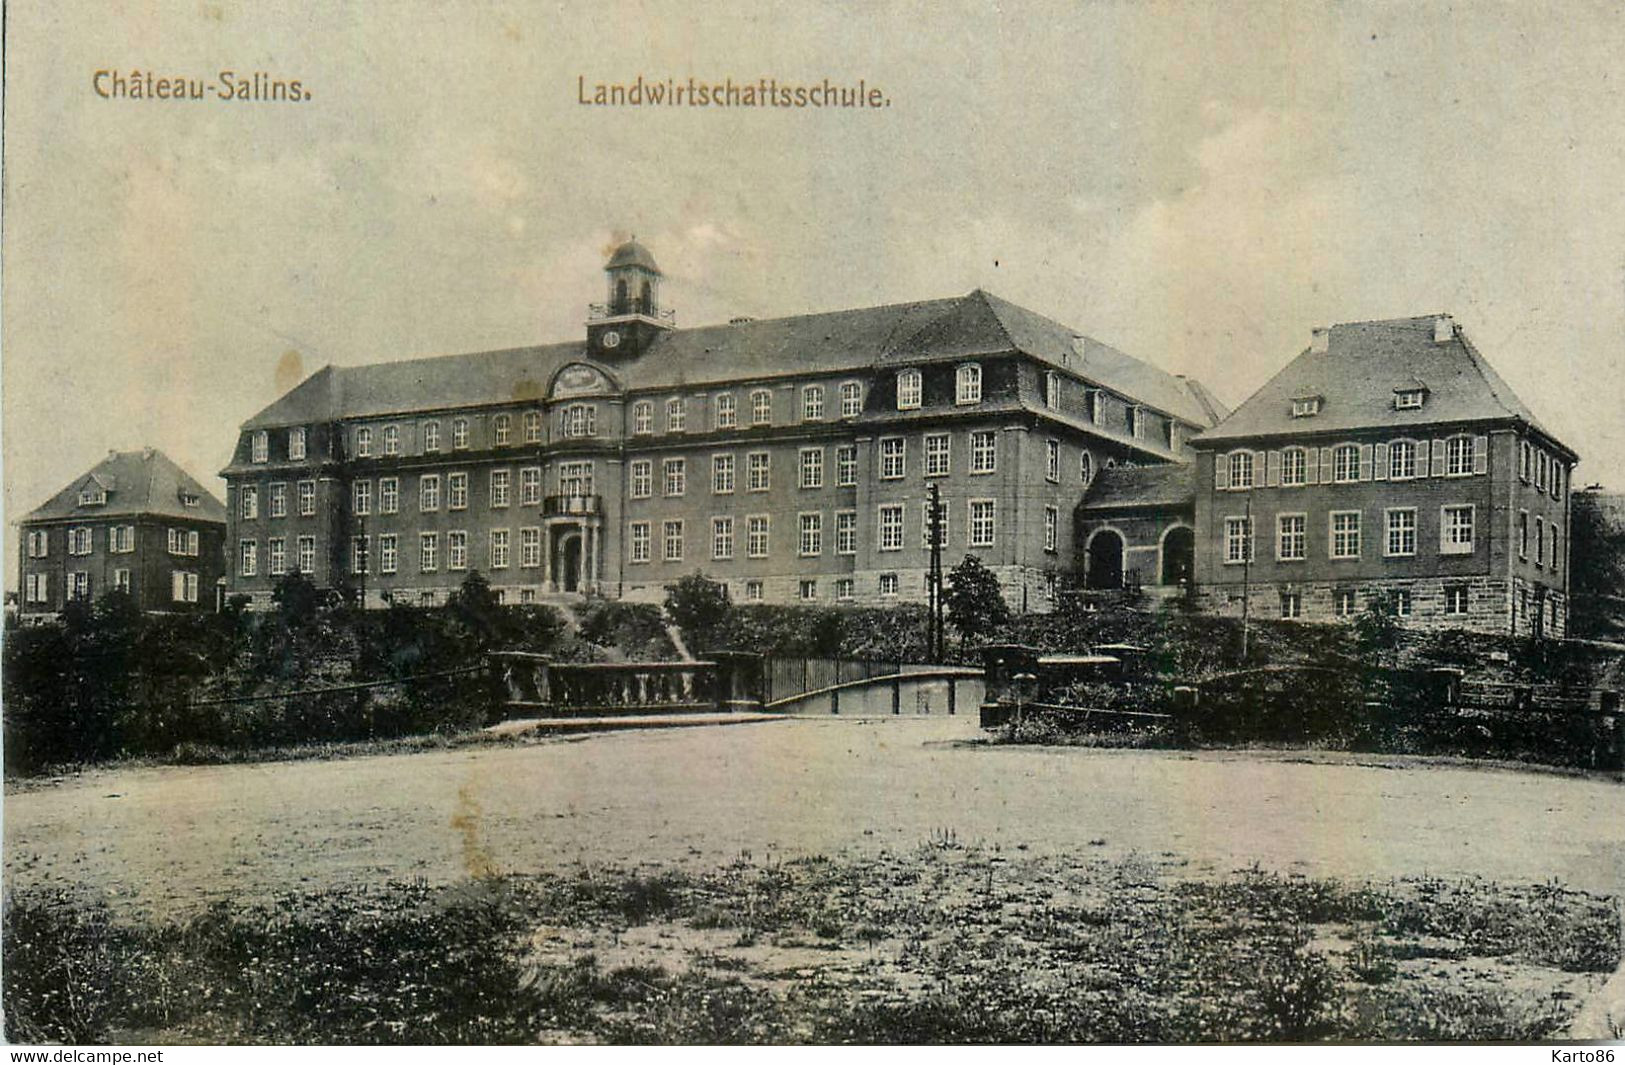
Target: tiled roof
point(839, 341)
point(138, 483)
point(1364, 362)
point(1170, 485)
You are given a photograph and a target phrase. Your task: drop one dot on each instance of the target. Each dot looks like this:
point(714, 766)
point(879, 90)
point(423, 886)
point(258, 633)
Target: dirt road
point(172, 838)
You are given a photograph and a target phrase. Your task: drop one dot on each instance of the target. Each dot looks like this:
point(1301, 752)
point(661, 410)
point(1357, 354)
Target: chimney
point(1443, 329)
point(1320, 340)
point(146, 453)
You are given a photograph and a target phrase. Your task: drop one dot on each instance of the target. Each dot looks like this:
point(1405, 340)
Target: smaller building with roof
point(1387, 463)
point(135, 522)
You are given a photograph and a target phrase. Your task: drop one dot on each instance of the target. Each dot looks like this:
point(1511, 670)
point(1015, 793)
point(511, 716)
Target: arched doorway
point(570, 562)
point(1105, 560)
point(1178, 555)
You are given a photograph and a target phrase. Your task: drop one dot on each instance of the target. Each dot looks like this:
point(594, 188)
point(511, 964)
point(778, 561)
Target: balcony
point(572, 506)
point(630, 308)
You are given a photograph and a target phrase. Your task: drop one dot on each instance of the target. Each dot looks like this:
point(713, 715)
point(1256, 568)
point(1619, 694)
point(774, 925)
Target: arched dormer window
point(968, 384)
point(908, 390)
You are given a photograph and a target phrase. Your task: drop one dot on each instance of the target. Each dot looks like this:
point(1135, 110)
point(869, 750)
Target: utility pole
point(1246, 575)
point(934, 580)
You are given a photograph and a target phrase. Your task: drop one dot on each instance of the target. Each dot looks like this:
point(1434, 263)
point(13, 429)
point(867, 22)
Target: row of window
point(1395, 460)
point(1345, 602)
point(37, 586)
point(248, 500)
point(1345, 534)
point(1543, 470)
point(1545, 533)
point(120, 541)
point(260, 445)
point(890, 525)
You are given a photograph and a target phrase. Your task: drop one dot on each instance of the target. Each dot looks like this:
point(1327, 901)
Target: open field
point(810, 879)
point(170, 839)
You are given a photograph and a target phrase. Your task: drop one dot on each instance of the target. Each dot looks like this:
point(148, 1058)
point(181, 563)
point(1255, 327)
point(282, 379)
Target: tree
point(297, 599)
point(697, 605)
point(476, 605)
point(974, 598)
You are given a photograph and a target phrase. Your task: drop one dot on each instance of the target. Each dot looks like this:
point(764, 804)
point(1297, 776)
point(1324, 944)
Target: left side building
point(135, 522)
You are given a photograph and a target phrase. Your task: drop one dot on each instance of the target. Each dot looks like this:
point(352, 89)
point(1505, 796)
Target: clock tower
point(628, 322)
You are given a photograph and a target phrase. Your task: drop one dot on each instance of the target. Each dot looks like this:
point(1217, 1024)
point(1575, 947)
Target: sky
point(1196, 184)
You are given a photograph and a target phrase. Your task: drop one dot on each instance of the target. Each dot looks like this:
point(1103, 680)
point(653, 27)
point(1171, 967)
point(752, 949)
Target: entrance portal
point(1178, 555)
point(1105, 561)
point(570, 562)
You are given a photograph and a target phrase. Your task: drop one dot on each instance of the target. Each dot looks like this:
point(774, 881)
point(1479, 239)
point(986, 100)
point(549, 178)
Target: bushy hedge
point(111, 681)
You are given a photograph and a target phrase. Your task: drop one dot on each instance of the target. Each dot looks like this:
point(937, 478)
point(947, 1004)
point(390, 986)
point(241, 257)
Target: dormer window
point(262, 446)
point(1305, 406)
point(1409, 398)
point(908, 390)
point(296, 444)
point(190, 499)
point(92, 496)
point(1052, 390)
point(968, 384)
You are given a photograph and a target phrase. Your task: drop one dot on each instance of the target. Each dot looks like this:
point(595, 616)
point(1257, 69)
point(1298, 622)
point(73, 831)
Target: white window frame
point(1300, 468)
point(457, 550)
point(938, 454)
point(671, 537)
point(984, 459)
point(248, 558)
point(361, 497)
point(1397, 467)
point(642, 476)
point(761, 407)
point(1291, 606)
point(1052, 528)
point(974, 532)
point(305, 546)
point(392, 440)
point(307, 498)
point(1448, 543)
point(296, 444)
point(968, 384)
point(758, 535)
point(533, 427)
point(888, 586)
point(890, 521)
point(501, 485)
point(459, 434)
point(722, 538)
point(640, 537)
point(1052, 390)
point(429, 493)
point(812, 403)
point(1454, 594)
point(501, 542)
point(1292, 545)
point(676, 415)
point(893, 458)
point(431, 437)
point(846, 532)
point(810, 534)
point(1342, 596)
point(1239, 462)
point(389, 553)
point(758, 471)
point(1332, 534)
point(851, 399)
point(723, 474)
point(261, 446)
point(674, 478)
point(530, 486)
point(725, 411)
point(1238, 529)
point(276, 504)
point(457, 490)
point(643, 418)
point(1458, 452)
point(1390, 529)
point(846, 465)
point(502, 429)
point(909, 388)
point(1052, 461)
point(1345, 463)
point(810, 462)
point(428, 552)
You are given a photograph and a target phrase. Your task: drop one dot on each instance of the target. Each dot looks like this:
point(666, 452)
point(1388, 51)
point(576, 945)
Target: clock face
point(612, 339)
